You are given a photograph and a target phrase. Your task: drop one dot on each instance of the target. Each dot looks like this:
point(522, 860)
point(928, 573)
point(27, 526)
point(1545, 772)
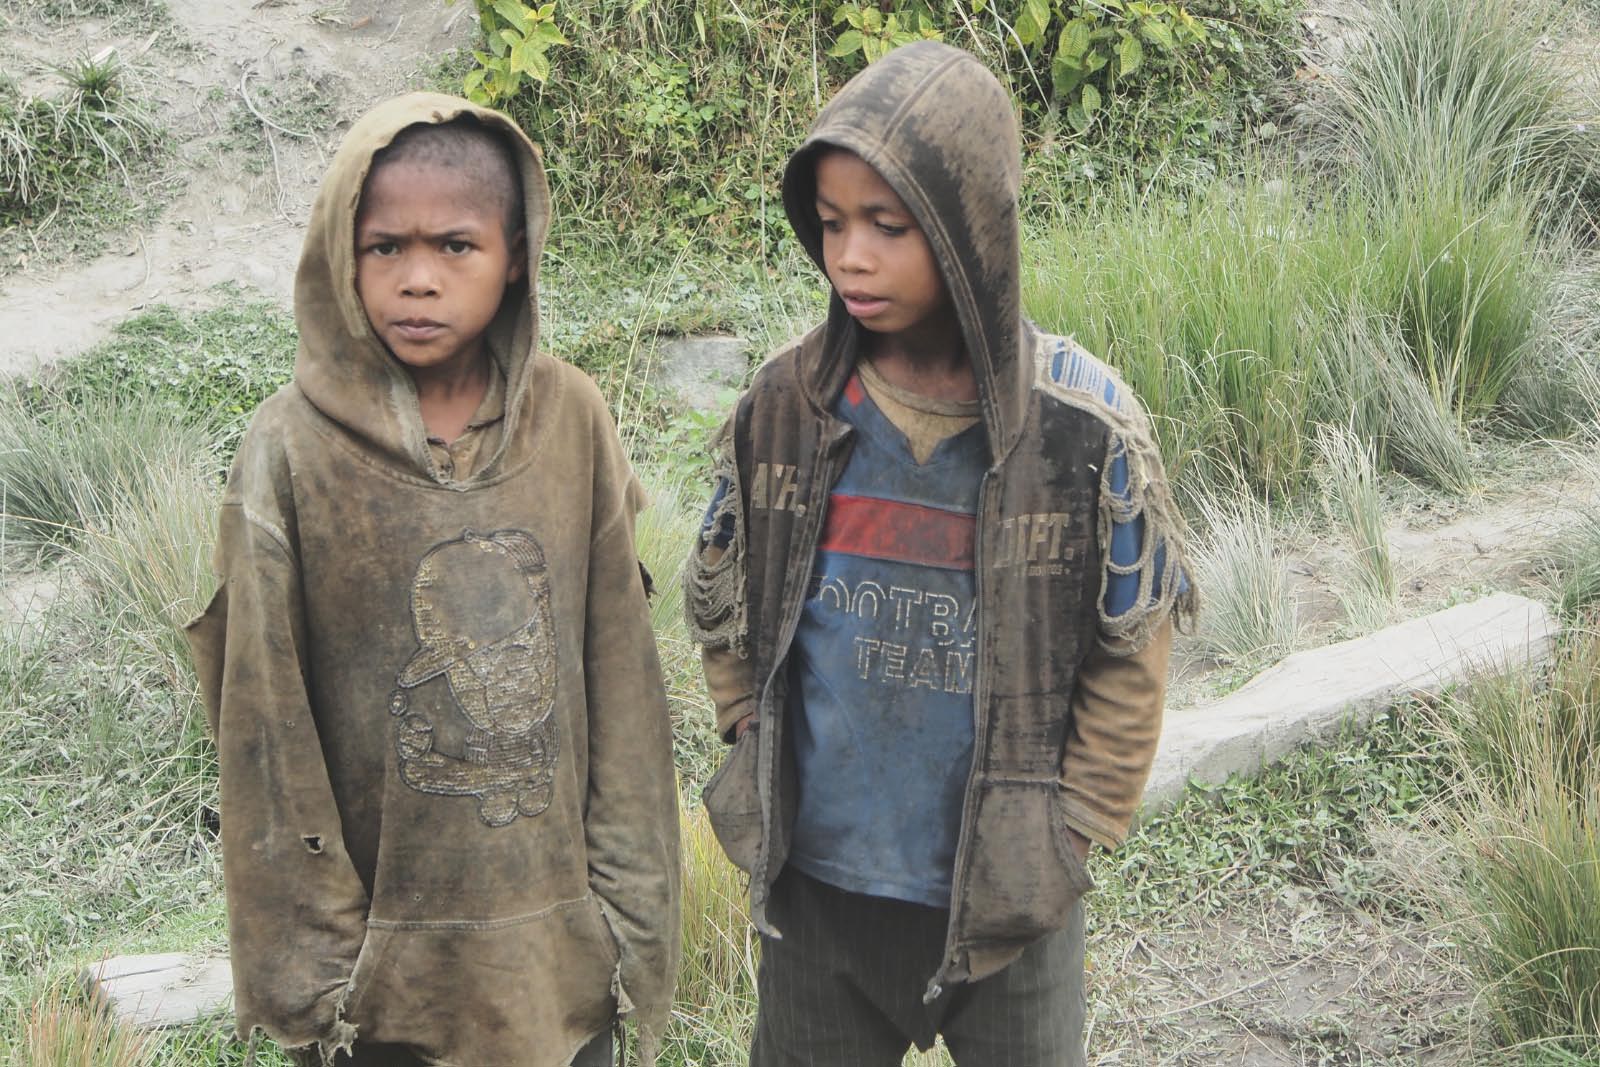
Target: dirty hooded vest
point(448, 806)
point(939, 129)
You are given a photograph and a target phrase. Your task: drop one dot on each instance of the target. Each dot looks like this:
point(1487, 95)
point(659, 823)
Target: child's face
point(876, 256)
point(432, 263)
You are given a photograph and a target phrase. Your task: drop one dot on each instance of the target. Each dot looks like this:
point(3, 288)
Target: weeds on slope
point(77, 156)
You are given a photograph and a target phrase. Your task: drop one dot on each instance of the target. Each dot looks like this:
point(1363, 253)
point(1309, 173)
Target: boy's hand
point(743, 724)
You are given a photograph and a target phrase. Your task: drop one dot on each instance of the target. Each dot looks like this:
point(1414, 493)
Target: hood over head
point(939, 128)
point(341, 366)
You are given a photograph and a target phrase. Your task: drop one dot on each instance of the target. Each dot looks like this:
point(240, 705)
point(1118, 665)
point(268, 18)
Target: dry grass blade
point(1349, 478)
point(59, 1030)
point(1250, 614)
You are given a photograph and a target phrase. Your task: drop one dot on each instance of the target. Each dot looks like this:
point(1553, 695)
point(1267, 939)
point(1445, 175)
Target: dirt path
point(246, 189)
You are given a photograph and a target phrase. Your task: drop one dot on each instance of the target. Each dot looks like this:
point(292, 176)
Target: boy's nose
point(419, 278)
point(854, 255)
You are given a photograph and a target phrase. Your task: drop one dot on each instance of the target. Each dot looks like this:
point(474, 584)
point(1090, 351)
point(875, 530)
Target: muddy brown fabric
point(448, 806)
point(1050, 753)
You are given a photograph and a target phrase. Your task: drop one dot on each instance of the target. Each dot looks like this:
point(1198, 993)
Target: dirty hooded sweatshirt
point(448, 806)
point(1076, 549)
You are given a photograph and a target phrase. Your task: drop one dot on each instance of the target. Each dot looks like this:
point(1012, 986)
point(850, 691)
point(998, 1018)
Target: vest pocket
point(1023, 876)
point(733, 802)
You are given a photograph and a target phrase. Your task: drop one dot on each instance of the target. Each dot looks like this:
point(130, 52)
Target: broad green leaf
point(979, 6)
point(514, 13)
point(1130, 56)
point(1158, 34)
point(1033, 21)
point(1078, 117)
point(1074, 40)
point(539, 66)
point(511, 37)
point(700, 28)
point(473, 82)
point(1065, 75)
point(1091, 99)
point(849, 43)
point(545, 35)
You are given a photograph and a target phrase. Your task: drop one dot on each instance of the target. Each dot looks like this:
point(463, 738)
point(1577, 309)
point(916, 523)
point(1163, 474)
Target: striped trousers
point(844, 987)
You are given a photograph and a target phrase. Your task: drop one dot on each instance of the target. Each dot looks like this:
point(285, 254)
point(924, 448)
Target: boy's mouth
point(419, 329)
point(863, 305)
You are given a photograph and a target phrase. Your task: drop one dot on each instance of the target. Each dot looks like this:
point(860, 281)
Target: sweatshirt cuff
point(1103, 830)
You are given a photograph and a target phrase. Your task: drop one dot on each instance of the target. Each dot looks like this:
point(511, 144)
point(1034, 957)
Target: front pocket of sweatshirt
point(1023, 876)
point(499, 993)
point(733, 802)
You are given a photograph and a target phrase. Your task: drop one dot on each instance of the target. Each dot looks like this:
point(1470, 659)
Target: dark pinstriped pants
point(844, 988)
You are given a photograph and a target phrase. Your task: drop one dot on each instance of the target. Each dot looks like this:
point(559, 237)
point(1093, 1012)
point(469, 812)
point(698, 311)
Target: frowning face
point(433, 260)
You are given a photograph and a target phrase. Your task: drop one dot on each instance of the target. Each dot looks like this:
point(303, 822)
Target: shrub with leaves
point(518, 38)
point(676, 116)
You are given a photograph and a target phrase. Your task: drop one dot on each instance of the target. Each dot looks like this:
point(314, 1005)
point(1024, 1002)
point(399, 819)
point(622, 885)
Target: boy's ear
point(518, 256)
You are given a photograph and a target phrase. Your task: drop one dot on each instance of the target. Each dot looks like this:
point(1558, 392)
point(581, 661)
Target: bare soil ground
point(244, 190)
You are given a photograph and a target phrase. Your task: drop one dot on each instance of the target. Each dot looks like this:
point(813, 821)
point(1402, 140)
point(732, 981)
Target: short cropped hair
point(466, 145)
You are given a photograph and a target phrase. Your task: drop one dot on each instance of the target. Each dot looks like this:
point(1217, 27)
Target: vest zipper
point(767, 750)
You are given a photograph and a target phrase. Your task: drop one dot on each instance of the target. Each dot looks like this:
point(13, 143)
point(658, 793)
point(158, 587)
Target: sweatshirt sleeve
point(714, 594)
point(1117, 712)
point(631, 826)
point(296, 906)
point(1121, 691)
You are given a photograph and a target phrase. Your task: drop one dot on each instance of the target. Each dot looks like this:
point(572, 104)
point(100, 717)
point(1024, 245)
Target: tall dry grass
point(60, 1030)
point(1522, 835)
point(1349, 479)
point(1250, 613)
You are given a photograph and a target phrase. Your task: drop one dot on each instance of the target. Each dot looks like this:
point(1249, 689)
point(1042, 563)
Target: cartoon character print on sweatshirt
point(481, 608)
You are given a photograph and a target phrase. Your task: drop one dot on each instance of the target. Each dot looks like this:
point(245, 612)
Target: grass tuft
point(75, 154)
point(716, 995)
point(1250, 614)
point(1469, 88)
point(59, 1030)
point(1523, 832)
point(1350, 493)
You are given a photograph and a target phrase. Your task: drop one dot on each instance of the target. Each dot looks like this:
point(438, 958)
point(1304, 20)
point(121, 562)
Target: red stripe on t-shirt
point(905, 533)
point(853, 391)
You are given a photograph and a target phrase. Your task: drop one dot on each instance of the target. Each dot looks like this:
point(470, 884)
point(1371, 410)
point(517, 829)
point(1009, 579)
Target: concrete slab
point(1309, 695)
point(163, 990)
point(697, 369)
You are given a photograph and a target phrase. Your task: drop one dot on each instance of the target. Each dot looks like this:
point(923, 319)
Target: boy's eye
point(383, 248)
point(456, 247)
point(831, 225)
point(890, 229)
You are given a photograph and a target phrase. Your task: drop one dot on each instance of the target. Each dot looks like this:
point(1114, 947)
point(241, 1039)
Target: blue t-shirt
point(883, 727)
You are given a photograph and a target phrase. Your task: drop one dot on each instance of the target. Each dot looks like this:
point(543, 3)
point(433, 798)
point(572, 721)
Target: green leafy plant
point(873, 32)
point(518, 37)
point(1103, 43)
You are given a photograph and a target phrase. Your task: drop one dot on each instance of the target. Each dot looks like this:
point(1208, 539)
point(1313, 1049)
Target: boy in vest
point(935, 588)
point(449, 829)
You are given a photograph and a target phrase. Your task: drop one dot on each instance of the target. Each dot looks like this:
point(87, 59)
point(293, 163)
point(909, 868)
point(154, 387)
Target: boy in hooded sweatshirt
point(935, 588)
point(449, 828)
